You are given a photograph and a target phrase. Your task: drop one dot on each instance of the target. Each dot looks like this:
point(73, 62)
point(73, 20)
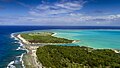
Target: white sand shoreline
point(31, 49)
point(54, 34)
point(27, 42)
point(21, 56)
point(34, 49)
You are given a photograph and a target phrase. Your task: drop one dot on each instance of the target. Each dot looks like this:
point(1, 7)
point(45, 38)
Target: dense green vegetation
point(77, 57)
point(44, 37)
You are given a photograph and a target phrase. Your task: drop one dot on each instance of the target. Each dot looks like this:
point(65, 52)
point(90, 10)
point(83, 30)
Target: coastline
point(11, 64)
point(29, 59)
point(54, 34)
point(31, 52)
point(27, 42)
point(74, 41)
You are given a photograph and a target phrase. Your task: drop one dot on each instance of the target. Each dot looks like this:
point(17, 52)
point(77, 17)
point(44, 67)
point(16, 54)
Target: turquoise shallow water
point(92, 38)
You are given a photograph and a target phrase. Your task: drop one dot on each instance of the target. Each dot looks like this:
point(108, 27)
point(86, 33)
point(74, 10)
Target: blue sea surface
point(93, 38)
point(8, 45)
point(88, 36)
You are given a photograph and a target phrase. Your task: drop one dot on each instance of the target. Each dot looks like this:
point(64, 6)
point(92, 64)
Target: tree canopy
point(55, 56)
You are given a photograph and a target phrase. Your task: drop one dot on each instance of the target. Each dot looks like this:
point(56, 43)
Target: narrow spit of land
point(44, 37)
point(32, 41)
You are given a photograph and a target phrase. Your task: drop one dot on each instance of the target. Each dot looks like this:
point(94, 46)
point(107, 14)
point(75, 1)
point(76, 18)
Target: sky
point(60, 12)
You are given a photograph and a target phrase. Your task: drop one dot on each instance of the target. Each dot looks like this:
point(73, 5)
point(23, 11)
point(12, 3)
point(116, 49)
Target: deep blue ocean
point(8, 45)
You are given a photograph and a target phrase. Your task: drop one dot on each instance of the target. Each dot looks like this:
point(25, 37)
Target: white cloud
point(72, 19)
point(61, 14)
point(56, 8)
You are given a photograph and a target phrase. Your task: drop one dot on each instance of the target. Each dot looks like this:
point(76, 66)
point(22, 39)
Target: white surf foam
point(10, 65)
point(12, 36)
point(21, 59)
point(19, 42)
point(19, 48)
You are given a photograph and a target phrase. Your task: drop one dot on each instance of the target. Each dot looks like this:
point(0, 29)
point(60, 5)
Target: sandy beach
point(30, 58)
point(27, 42)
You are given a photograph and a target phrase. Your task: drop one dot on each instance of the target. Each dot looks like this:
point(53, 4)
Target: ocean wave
point(22, 47)
point(20, 43)
point(10, 65)
point(19, 48)
point(15, 42)
point(20, 60)
point(13, 36)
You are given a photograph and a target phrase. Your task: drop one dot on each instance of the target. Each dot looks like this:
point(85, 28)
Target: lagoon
point(91, 38)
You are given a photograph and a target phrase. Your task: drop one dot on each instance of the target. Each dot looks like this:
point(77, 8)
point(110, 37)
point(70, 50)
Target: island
point(45, 51)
